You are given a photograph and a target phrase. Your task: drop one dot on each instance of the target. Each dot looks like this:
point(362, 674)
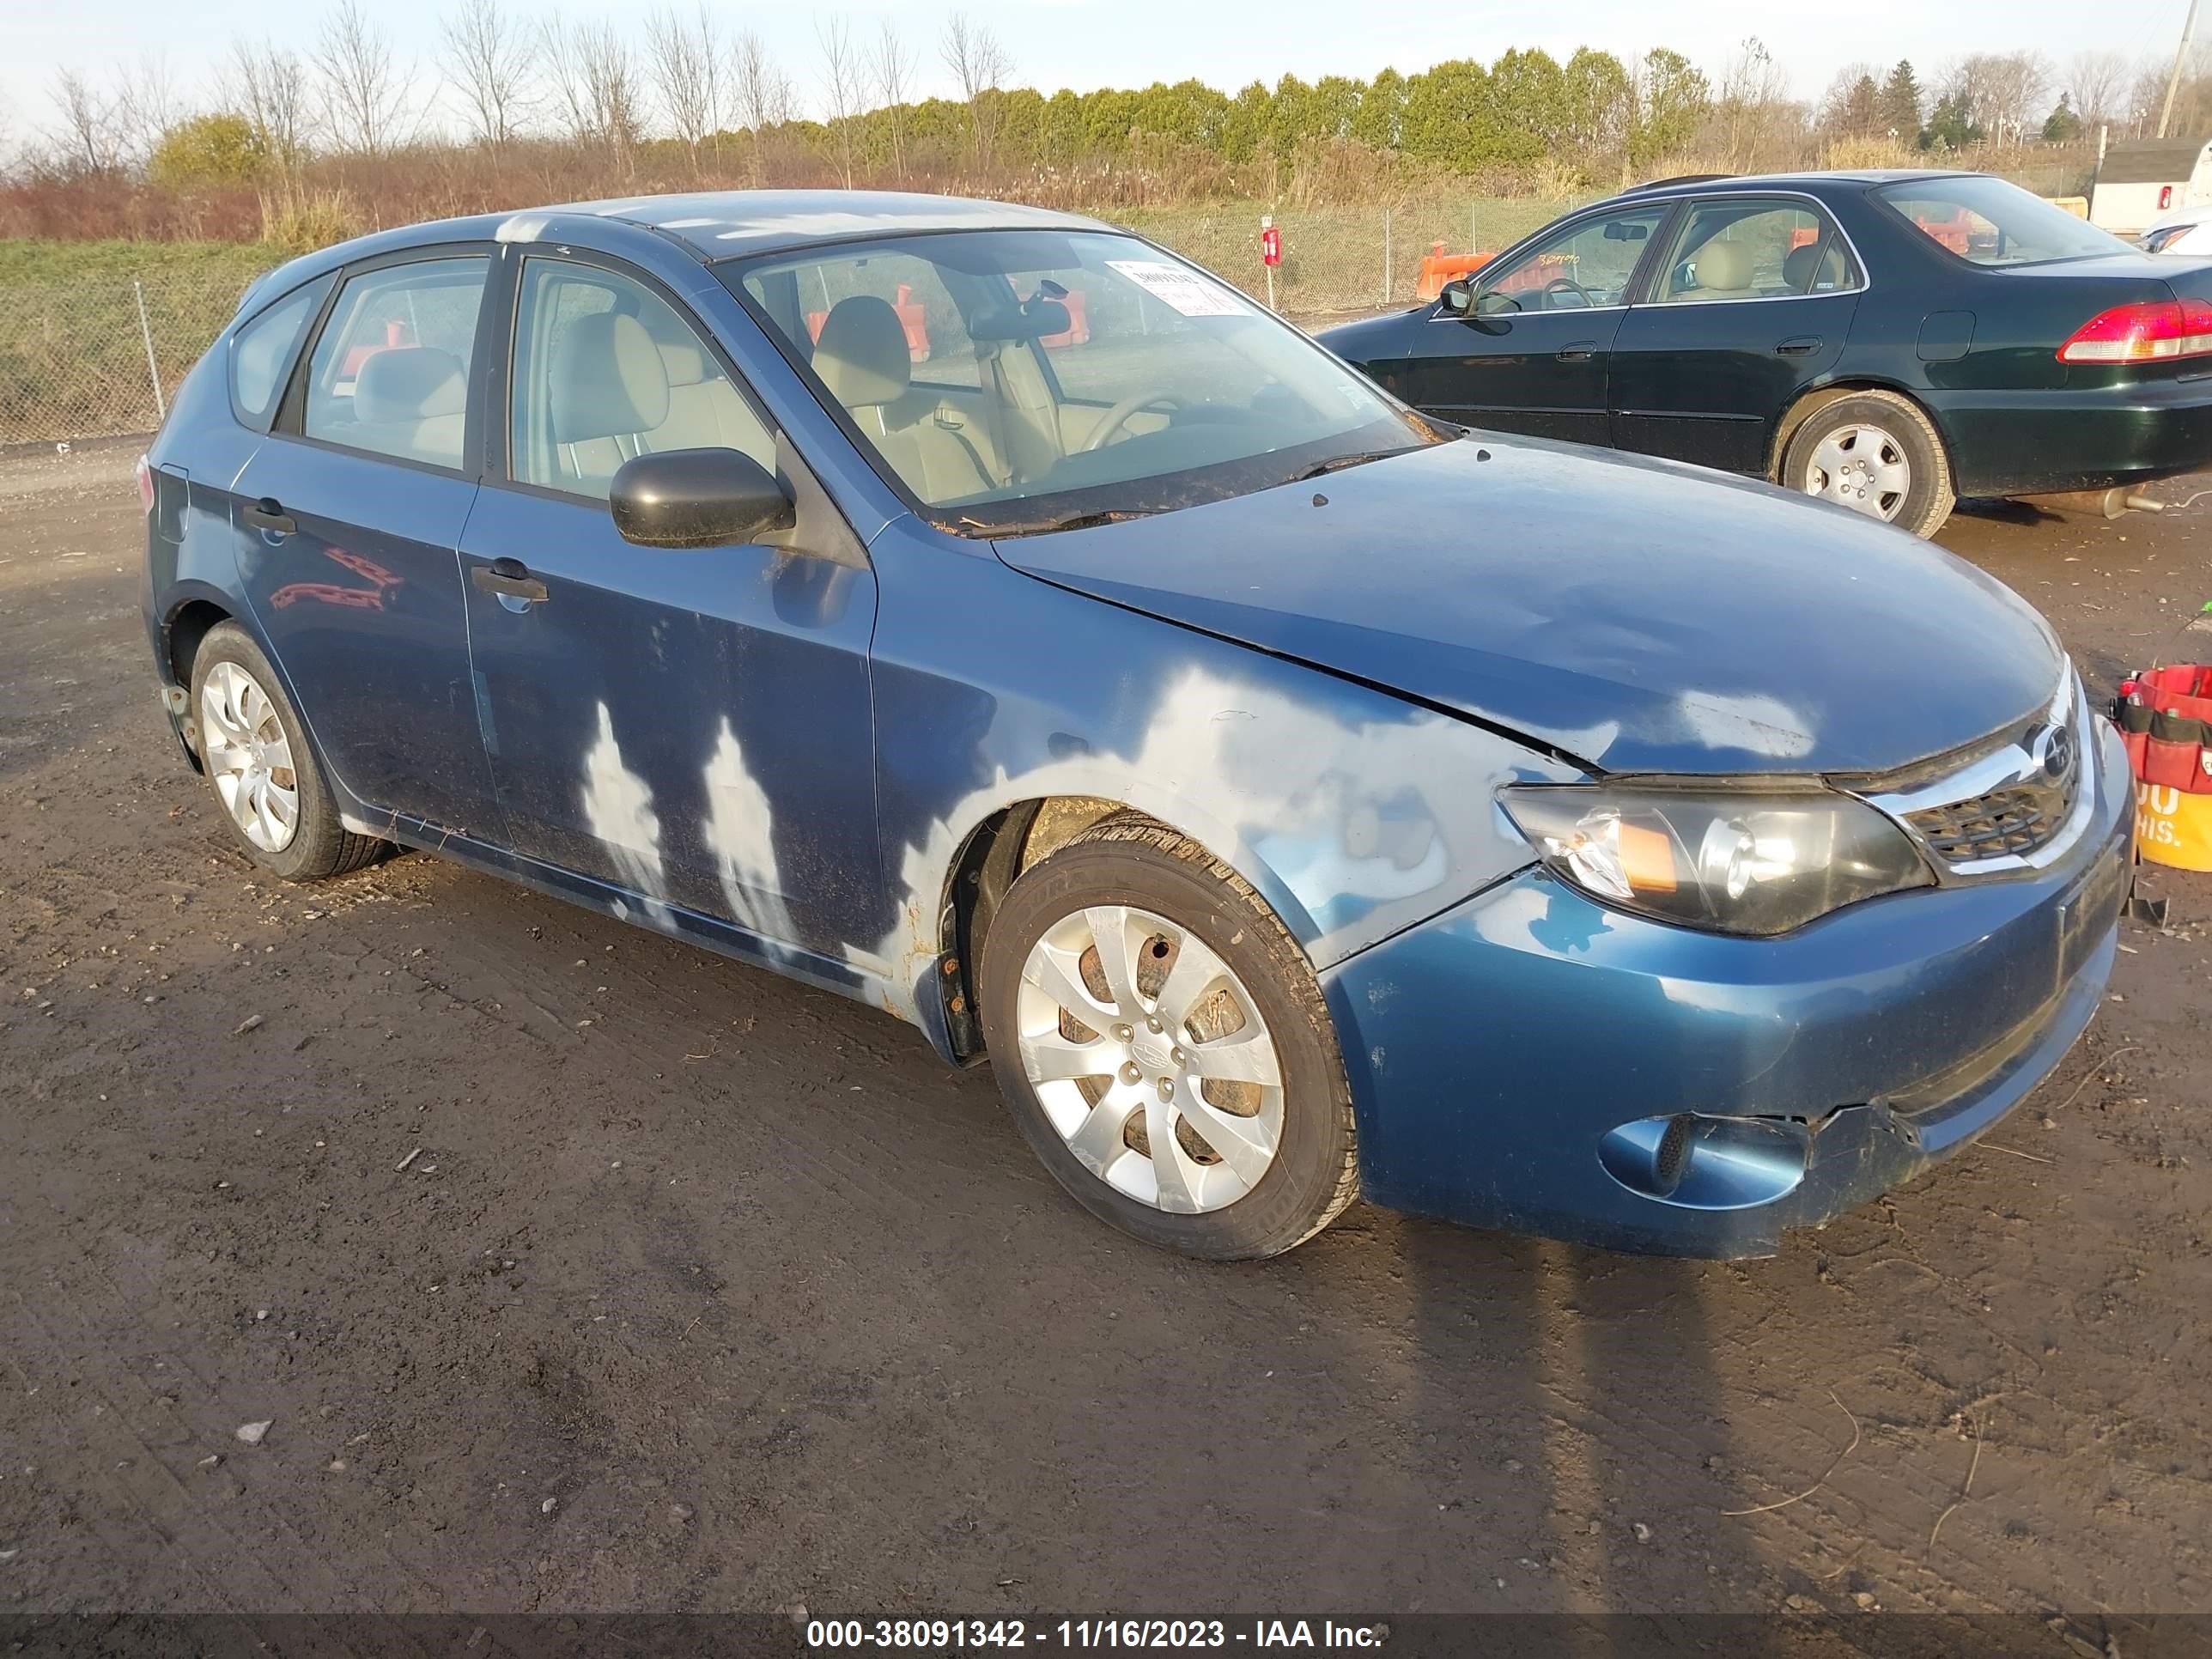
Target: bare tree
point(685, 61)
point(841, 87)
point(2098, 82)
point(268, 87)
point(893, 71)
point(595, 83)
point(762, 96)
point(1754, 108)
point(487, 62)
point(93, 134)
point(2003, 90)
point(364, 88)
point(148, 104)
point(979, 63)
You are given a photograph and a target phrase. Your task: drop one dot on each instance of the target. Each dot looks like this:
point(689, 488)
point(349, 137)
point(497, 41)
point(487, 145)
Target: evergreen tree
point(2062, 125)
point(1952, 127)
point(1898, 112)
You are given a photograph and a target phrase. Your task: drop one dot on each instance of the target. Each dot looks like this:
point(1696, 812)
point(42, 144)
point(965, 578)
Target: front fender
point(1354, 813)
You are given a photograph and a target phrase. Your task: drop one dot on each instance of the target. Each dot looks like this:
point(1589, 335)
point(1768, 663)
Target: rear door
point(1534, 354)
point(348, 522)
point(1750, 307)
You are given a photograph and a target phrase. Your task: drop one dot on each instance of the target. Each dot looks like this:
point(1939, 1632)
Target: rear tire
point(260, 769)
point(1889, 434)
point(1219, 1035)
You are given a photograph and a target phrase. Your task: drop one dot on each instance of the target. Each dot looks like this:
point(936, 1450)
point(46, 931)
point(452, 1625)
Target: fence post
point(153, 368)
point(1386, 255)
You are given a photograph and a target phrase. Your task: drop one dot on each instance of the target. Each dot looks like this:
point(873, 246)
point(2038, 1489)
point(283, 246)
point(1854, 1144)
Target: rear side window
point(1753, 250)
point(261, 351)
point(389, 373)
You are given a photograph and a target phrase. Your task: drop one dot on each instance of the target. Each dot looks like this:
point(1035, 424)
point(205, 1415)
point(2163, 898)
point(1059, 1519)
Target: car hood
point(1635, 616)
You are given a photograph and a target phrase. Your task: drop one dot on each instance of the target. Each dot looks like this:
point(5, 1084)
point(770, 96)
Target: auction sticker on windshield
point(1185, 290)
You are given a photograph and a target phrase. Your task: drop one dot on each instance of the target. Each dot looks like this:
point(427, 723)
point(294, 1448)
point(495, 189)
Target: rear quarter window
point(262, 350)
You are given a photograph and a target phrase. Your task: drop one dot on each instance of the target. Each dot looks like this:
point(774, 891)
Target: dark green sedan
point(1886, 340)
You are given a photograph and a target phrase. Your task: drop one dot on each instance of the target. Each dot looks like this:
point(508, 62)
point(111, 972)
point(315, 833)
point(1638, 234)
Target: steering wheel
point(1573, 288)
point(1114, 419)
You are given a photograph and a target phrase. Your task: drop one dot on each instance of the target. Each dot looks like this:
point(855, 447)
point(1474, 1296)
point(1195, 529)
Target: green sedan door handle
point(1803, 346)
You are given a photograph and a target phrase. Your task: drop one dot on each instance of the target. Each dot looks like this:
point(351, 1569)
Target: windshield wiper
point(1071, 521)
point(1343, 461)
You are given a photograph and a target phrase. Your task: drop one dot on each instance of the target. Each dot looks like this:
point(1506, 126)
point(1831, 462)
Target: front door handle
point(1803, 346)
point(509, 578)
point(268, 513)
point(1577, 351)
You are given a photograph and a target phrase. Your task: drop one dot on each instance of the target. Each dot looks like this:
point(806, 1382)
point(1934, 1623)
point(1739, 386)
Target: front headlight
point(1740, 860)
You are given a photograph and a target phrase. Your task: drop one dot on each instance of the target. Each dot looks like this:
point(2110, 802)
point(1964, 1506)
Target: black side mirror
point(697, 498)
point(1458, 297)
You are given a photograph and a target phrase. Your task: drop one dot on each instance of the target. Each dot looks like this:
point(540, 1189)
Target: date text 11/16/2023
point(955, 1635)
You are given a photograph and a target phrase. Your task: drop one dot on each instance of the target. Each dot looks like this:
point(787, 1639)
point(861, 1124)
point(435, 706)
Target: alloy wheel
point(1150, 1057)
point(248, 756)
point(1862, 467)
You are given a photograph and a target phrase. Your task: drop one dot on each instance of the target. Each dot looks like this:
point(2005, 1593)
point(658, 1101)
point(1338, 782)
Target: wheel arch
point(1812, 401)
point(1015, 836)
point(186, 628)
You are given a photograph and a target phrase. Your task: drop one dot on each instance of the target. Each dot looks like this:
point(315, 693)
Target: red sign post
point(1271, 253)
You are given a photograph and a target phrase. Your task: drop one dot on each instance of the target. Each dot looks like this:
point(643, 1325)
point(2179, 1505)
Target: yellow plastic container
point(2173, 827)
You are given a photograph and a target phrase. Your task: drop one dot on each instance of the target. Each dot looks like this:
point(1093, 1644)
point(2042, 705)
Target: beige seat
point(1724, 271)
point(610, 387)
point(704, 409)
point(411, 401)
point(863, 361)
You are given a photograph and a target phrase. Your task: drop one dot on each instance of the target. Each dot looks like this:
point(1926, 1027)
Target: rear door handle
point(509, 577)
point(1803, 346)
point(1577, 351)
point(268, 513)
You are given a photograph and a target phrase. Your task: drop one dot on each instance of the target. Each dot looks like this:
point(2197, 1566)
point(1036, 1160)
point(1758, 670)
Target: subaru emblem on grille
point(2051, 748)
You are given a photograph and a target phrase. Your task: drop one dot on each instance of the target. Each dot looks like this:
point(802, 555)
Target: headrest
point(686, 363)
point(608, 378)
point(409, 383)
point(1724, 265)
point(1797, 268)
point(862, 354)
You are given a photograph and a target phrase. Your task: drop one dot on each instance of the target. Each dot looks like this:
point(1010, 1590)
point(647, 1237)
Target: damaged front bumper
point(1534, 1062)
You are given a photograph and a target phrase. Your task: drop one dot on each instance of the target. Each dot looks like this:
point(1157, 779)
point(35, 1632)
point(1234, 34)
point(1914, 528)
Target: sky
point(1085, 44)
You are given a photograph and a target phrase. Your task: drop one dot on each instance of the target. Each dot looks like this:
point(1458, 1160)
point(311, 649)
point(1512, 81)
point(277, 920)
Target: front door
point(1535, 352)
point(1749, 311)
point(691, 728)
point(348, 522)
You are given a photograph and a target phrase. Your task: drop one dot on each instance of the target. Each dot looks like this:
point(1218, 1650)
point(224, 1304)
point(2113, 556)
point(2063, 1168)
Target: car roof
point(1711, 184)
point(729, 223)
point(714, 225)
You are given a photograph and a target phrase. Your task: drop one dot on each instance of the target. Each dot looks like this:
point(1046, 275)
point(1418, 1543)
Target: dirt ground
point(575, 1269)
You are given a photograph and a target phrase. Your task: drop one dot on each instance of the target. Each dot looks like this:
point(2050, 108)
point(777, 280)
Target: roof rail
point(1683, 179)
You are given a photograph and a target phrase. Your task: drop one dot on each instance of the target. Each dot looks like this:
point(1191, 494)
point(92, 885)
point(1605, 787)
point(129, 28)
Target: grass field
point(73, 352)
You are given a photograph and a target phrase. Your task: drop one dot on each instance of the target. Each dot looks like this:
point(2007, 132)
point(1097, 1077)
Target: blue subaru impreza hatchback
point(984, 614)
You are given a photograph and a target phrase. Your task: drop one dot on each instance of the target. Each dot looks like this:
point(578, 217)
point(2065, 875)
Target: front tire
point(1164, 1048)
point(1875, 452)
point(260, 767)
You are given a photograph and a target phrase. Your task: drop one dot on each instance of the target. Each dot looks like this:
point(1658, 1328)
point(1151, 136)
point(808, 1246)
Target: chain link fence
point(101, 358)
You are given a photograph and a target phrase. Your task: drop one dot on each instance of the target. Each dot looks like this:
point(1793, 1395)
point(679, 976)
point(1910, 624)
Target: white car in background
point(2189, 232)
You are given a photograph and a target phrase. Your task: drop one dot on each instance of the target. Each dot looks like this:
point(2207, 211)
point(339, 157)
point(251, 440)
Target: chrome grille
point(2016, 804)
point(2016, 821)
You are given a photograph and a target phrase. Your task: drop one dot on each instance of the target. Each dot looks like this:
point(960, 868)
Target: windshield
point(1994, 223)
point(1012, 381)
